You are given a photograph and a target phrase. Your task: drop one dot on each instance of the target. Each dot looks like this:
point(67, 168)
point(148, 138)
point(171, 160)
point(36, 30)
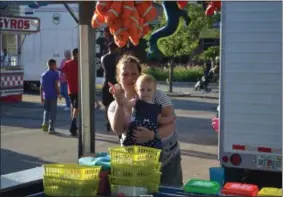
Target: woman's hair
point(127, 59)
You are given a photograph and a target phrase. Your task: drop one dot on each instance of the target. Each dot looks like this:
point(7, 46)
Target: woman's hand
point(117, 92)
point(143, 135)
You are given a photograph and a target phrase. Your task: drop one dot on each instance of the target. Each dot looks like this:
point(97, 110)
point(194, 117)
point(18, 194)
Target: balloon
point(212, 7)
point(127, 20)
point(182, 4)
point(215, 124)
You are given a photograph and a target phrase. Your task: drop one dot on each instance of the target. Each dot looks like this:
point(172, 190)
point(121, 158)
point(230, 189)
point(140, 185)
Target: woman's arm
point(116, 116)
point(167, 110)
point(167, 129)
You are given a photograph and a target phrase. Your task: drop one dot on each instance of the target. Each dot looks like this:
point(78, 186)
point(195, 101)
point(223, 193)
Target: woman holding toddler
point(137, 91)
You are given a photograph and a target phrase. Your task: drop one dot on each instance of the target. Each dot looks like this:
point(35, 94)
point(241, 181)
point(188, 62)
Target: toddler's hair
point(146, 78)
point(51, 62)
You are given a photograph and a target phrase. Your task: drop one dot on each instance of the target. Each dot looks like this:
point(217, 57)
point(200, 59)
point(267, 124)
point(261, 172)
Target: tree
point(186, 41)
point(210, 53)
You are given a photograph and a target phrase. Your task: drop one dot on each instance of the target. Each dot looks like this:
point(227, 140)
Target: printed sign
point(19, 24)
point(10, 92)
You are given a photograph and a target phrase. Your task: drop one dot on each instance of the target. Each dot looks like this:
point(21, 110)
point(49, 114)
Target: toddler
point(146, 113)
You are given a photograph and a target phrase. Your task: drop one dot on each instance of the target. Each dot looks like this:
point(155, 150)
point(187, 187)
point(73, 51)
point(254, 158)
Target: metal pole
point(87, 77)
point(71, 12)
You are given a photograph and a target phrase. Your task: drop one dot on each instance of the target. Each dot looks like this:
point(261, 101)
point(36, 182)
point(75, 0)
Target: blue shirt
point(48, 80)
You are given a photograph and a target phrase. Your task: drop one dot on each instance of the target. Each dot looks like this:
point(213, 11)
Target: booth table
point(30, 183)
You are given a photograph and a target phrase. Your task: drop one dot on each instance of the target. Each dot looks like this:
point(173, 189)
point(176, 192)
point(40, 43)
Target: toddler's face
point(146, 90)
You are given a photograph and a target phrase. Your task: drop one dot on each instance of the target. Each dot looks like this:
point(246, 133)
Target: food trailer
point(13, 31)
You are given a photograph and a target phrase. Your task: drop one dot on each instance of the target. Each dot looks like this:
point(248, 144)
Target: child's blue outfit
point(48, 80)
point(145, 114)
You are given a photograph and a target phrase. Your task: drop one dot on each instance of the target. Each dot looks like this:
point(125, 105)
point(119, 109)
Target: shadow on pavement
point(194, 105)
point(196, 131)
point(12, 161)
point(198, 154)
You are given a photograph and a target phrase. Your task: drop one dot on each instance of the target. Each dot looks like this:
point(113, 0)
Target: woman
point(128, 70)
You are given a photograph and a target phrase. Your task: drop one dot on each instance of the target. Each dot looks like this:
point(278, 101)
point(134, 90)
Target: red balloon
point(209, 10)
point(182, 4)
point(215, 124)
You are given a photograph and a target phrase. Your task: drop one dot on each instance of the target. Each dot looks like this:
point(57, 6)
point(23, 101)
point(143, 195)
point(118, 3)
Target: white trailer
point(59, 31)
point(251, 89)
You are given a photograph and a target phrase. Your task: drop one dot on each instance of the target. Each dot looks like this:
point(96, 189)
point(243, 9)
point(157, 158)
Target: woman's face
point(128, 75)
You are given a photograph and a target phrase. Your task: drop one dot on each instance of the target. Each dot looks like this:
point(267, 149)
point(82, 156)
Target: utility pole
point(87, 74)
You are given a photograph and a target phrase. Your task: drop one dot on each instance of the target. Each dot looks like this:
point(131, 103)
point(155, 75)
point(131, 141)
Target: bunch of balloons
point(127, 20)
point(213, 6)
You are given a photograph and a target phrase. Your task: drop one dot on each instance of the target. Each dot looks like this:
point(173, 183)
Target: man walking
point(108, 63)
point(63, 81)
point(70, 69)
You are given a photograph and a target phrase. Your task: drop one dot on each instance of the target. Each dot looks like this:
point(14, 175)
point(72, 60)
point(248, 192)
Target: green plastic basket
point(69, 187)
point(202, 187)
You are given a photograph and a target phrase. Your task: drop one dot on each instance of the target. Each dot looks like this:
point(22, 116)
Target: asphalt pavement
point(24, 145)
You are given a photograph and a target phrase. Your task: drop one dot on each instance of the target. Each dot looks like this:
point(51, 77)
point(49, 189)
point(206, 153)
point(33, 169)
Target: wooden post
point(86, 78)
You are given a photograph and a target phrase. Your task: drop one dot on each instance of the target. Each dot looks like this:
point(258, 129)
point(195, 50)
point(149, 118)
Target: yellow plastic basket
point(151, 182)
point(69, 187)
point(134, 155)
point(136, 171)
point(72, 171)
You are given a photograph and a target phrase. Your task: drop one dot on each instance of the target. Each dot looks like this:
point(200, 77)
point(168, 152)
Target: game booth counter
point(12, 70)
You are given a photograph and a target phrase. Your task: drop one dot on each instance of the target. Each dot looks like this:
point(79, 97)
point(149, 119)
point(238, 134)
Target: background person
point(63, 80)
point(49, 92)
point(70, 69)
point(108, 63)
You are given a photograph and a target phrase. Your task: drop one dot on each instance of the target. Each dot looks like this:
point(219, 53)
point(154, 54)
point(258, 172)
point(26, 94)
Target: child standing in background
point(49, 93)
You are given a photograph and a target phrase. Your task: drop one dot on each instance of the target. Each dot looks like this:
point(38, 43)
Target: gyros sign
point(19, 24)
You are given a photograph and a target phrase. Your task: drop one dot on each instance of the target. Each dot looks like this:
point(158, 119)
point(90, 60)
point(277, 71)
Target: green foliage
point(187, 39)
point(210, 53)
point(181, 73)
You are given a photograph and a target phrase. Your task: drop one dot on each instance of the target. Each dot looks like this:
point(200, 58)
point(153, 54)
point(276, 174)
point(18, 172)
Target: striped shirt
point(170, 144)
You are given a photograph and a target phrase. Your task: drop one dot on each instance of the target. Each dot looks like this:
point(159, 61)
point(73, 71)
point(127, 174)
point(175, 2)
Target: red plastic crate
point(104, 186)
point(240, 189)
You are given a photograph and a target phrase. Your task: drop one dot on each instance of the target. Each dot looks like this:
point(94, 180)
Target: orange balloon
point(115, 26)
point(97, 20)
point(113, 12)
point(146, 10)
point(145, 28)
point(102, 7)
point(121, 37)
point(127, 8)
point(132, 23)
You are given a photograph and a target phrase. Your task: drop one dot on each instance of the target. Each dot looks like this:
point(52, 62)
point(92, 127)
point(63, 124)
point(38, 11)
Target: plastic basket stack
point(135, 166)
point(70, 180)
